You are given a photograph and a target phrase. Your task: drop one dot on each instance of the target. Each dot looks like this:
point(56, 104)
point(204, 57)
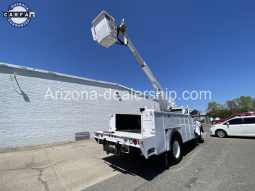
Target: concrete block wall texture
point(29, 117)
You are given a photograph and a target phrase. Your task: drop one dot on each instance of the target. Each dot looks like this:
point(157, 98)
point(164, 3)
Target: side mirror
point(227, 123)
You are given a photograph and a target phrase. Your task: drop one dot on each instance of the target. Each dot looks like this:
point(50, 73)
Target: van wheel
point(221, 133)
point(176, 150)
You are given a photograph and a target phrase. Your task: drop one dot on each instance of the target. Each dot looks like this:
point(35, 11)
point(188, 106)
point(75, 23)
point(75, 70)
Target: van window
point(236, 121)
point(249, 120)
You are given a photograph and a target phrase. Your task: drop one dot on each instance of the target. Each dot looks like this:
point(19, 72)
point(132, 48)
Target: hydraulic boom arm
point(159, 91)
point(106, 34)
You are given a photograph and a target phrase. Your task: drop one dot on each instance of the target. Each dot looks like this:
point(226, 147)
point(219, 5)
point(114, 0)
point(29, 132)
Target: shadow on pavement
point(139, 166)
point(234, 137)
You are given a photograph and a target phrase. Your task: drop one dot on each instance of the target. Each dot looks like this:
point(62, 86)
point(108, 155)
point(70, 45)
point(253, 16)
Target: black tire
point(200, 138)
point(221, 133)
point(176, 150)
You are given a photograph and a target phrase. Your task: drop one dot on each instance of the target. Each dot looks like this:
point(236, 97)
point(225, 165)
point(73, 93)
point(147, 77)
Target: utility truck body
point(151, 133)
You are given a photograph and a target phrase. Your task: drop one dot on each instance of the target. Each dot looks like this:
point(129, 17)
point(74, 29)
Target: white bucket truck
point(152, 132)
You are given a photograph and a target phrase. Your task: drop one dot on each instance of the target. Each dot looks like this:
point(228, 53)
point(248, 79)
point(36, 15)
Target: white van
point(237, 126)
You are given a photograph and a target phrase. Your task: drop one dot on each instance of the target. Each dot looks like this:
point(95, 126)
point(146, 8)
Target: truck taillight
point(136, 141)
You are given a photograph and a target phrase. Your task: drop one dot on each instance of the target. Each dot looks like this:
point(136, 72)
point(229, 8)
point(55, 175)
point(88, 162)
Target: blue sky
point(189, 45)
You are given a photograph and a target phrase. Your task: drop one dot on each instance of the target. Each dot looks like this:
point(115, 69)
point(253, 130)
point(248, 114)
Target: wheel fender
point(222, 130)
point(170, 134)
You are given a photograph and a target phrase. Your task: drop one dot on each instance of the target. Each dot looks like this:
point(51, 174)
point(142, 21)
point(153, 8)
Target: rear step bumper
point(122, 142)
point(121, 138)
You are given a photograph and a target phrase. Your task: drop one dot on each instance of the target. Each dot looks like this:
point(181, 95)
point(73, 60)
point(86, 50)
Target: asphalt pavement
point(218, 164)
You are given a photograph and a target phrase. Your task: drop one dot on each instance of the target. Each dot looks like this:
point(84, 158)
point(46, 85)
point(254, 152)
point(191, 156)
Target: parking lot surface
point(218, 164)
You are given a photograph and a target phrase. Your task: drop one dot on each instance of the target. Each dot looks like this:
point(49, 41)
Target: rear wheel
point(221, 133)
point(200, 137)
point(176, 150)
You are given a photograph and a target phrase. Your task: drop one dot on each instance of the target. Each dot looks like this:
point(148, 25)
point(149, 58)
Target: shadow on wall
point(19, 91)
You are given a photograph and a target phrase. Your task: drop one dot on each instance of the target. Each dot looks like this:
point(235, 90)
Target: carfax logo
point(19, 15)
